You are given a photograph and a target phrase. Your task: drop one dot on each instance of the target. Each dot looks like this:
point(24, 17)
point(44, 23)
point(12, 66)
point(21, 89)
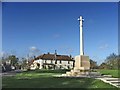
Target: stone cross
point(81, 36)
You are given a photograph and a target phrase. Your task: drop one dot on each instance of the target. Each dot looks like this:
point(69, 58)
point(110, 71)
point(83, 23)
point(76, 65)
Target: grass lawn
point(45, 79)
point(114, 73)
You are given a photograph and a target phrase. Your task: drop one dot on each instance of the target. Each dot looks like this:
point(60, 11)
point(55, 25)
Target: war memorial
point(82, 62)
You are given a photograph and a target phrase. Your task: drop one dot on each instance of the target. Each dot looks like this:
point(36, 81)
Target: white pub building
point(53, 61)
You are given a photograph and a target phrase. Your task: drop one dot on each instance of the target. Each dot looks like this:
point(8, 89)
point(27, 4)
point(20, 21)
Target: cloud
point(104, 46)
point(33, 48)
point(34, 51)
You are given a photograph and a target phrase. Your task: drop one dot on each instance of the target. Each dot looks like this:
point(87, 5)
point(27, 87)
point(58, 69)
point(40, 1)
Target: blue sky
point(54, 26)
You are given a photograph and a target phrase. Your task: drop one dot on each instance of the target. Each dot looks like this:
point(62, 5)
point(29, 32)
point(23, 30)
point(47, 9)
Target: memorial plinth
point(82, 66)
point(82, 62)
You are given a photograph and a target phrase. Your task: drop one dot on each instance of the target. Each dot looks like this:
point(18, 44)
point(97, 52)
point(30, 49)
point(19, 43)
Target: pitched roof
point(53, 56)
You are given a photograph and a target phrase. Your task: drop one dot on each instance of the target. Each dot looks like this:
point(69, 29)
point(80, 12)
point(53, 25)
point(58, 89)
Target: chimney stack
point(70, 56)
point(48, 52)
point(34, 57)
point(55, 52)
point(55, 57)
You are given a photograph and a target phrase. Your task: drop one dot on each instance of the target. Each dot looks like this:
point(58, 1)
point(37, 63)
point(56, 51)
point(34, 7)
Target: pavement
point(10, 73)
point(113, 81)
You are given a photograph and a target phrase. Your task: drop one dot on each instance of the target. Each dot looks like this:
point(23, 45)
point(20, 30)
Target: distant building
point(53, 61)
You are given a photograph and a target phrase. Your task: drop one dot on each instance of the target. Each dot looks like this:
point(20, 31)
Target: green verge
point(40, 79)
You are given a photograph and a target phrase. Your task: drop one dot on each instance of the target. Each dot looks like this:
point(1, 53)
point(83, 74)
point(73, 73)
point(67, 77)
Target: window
point(45, 61)
point(55, 61)
point(60, 61)
point(68, 62)
point(68, 67)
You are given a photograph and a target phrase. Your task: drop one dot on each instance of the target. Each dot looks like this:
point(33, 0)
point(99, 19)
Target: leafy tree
point(93, 64)
point(118, 59)
point(103, 66)
point(25, 64)
point(111, 62)
point(13, 60)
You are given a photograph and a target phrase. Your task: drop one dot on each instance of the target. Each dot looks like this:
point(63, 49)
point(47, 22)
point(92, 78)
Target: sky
point(46, 27)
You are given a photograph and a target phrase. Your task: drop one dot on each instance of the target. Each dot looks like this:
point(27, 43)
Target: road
point(10, 73)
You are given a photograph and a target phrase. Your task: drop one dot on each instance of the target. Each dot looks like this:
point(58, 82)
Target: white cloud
point(33, 51)
point(33, 48)
point(104, 46)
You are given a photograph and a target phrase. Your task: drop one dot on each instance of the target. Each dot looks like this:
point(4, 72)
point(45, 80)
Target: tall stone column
point(81, 35)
